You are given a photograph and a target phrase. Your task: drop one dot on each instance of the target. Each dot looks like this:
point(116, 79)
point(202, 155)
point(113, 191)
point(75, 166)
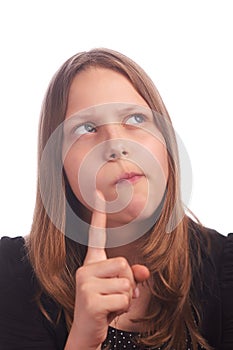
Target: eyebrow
point(97, 112)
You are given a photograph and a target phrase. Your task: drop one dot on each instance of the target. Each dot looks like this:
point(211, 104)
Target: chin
point(139, 209)
point(128, 227)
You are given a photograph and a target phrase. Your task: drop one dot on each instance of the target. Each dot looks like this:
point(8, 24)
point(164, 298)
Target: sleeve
point(227, 295)
point(22, 326)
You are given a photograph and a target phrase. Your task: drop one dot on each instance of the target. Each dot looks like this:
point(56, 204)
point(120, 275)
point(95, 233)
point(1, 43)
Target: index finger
point(97, 233)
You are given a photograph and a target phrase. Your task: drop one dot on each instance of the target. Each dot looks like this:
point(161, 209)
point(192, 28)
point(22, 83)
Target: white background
point(186, 48)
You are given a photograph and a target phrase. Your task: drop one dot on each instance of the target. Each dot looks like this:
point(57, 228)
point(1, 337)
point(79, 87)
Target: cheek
point(72, 165)
point(159, 152)
point(163, 159)
point(85, 177)
point(104, 183)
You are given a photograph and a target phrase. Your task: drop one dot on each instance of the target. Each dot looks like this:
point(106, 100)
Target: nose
point(116, 144)
point(115, 151)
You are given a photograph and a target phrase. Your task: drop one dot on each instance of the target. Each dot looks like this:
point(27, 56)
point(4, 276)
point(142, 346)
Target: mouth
point(130, 177)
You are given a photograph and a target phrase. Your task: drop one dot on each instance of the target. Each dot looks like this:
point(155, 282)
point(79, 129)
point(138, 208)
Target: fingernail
point(136, 293)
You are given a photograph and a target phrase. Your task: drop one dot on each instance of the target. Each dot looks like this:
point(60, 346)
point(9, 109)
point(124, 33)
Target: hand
point(104, 288)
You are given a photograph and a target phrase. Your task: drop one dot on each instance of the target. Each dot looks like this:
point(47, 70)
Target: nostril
point(113, 155)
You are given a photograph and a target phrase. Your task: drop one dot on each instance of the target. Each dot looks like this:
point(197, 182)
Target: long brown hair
point(55, 257)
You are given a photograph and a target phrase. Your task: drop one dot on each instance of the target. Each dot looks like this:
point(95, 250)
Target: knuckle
point(80, 274)
point(83, 288)
point(87, 300)
point(126, 284)
point(90, 305)
point(122, 263)
point(125, 302)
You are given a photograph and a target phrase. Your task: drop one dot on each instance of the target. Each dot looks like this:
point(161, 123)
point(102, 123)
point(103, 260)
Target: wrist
point(75, 341)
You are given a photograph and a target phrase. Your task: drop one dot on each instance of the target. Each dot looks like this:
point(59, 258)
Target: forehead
point(97, 86)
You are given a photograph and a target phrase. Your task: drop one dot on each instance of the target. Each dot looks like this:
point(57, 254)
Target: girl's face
point(111, 144)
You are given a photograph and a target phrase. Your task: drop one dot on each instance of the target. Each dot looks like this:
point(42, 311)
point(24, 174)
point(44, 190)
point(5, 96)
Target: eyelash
point(135, 115)
point(83, 125)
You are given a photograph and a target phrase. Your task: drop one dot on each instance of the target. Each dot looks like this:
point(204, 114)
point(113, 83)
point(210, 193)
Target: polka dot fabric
point(118, 339)
point(121, 340)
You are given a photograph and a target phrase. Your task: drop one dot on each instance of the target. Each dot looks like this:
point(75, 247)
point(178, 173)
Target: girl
point(112, 260)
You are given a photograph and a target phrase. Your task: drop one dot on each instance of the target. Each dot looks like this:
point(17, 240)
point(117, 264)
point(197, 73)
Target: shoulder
point(11, 248)
point(8, 245)
point(216, 296)
point(21, 323)
point(221, 253)
point(14, 264)
point(217, 253)
point(207, 254)
point(13, 261)
point(226, 292)
point(212, 243)
point(16, 275)
point(227, 266)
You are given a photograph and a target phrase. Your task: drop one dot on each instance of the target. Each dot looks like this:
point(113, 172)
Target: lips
point(130, 177)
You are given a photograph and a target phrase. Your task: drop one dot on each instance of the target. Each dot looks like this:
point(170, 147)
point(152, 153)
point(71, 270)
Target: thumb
point(141, 273)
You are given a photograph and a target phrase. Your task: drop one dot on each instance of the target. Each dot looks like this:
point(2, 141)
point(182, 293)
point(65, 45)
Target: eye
point(135, 119)
point(85, 129)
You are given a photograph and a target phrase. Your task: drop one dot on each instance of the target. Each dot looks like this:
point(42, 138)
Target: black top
point(23, 327)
